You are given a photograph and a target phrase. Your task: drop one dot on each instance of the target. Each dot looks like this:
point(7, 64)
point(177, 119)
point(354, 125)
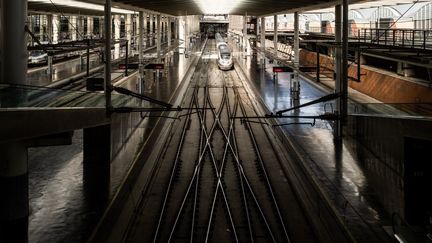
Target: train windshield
point(225, 52)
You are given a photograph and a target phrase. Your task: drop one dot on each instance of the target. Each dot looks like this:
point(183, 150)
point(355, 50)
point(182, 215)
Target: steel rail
point(269, 186)
point(177, 159)
point(246, 179)
point(231, 133)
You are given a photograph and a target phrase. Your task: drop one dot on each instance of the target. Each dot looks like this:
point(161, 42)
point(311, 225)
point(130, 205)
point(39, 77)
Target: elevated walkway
point(34, 111)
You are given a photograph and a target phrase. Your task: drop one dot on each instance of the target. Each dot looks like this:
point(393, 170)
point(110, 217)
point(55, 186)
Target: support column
point(151, 30)
point(96, 166)
point(275, 33)
point(42, 27)
point(55, 28)
point(263, 33)
point(79, 27)
point(117, 23)
point(158, 36)
point(97, 144)
point(338, 64)
point(13, 42)
point(295, 89)
point(128, 25)
point(162, 27)
point(262, 41)
point(169, 31)
point(14, 208)
point(145, 29)
point(176, 28)
point(73, 27)
point(14, 203)
point(245, 38)
point(107, 55)
point(186, 35)
point(101, 27)
point(344, 83)
point(141, 18)
point(90, 27)
point(50, 28)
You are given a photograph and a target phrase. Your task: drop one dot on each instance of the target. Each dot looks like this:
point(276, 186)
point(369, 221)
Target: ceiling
point(78, 7)
point(252, 7)
point(185, 7)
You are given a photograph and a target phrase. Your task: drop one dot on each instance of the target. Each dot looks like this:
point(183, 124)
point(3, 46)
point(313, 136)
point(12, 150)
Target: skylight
point(217, 6)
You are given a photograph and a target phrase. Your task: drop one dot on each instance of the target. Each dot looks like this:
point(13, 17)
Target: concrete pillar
point(263, 33)
point(13, 42)
point(296, 82)
point(97, 144)
point(79, 26)
point(245, 39)
point(50, 28)
point(42, 29)
point(73, 27)
point(101, 27)
point(151, 29)
point(51, 41)
point(275, 33)
point(89, 27)
point(158, 36)
point(169, 31)
point(141, 17)
point(186, 35)
point(344, 66)
point(107, 74)
point(262, 40)
point(176, 28)
point(55, 28)
point(128, 29)
point(338, 64)
point(162, 27)
point(14, 205)
point(96, 165)
point(145, 29)
point(167, 19)
point(117, 23)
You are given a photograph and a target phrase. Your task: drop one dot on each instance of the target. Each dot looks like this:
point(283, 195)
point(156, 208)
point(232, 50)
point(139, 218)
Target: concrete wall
point(381, 85)
point(379, 144)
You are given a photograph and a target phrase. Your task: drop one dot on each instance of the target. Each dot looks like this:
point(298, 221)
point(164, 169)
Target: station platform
point(76, 68)
point(334, 164)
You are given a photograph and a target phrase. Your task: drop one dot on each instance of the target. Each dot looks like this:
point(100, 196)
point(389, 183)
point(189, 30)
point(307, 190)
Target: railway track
point(218, 179)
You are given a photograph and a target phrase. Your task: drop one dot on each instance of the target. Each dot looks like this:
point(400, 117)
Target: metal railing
point(409, 38)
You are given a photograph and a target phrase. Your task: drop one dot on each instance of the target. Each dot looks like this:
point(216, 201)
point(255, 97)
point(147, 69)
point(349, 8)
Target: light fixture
point(218, 6)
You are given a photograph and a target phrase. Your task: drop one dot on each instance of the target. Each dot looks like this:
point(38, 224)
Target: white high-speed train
point(224, 61)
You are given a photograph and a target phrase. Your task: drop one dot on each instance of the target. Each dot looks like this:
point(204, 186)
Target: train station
point(215, 121)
